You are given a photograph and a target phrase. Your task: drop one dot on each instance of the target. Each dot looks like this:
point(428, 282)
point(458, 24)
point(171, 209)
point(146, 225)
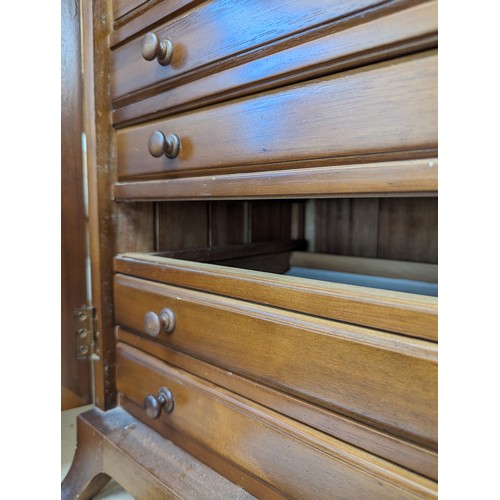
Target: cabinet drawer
point(123, 7)
point(294, 460)
point(375, 39)
point(321, 361)
point(382, 108)
point(217, 30)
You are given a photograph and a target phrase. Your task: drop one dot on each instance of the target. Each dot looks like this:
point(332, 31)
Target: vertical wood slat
point(271, 220)
point(182, 225)
point(228, 221)
point(136, 226)
point(346, 226)
point(387, 228)
point(408, 229)
point(75, 374)
point(297, 220)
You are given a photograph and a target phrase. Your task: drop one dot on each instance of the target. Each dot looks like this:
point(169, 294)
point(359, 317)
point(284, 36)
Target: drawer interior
point(384, 243)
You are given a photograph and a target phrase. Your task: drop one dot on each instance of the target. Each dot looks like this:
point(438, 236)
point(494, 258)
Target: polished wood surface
point(315, 465)
point(410, 455)
point(409, 314)
point(365, 111)
point(369, 39)
point(417, 177)
point(145, 14)
point(314, 121)
point(218, 30)
point(112, 228)
point(117, 445)
point(321, 361)
point(122, 7)
point(102, 213)
point(75, 374)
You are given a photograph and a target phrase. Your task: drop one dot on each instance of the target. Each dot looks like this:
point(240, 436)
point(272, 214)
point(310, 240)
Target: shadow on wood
point(114, 444)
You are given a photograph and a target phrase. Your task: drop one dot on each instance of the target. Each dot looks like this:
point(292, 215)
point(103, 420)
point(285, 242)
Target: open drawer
point(328, 340)
point(387, 295)
point(292, 333)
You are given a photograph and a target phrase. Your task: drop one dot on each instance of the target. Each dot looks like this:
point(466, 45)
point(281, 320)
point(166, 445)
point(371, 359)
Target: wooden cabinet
point(263, 184)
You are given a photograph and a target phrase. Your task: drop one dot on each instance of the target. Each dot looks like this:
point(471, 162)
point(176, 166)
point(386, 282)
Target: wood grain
point(393, 449)
point(408, 229)
point(252, 437)
point(217, 30)
point(294, 388)
point(75, 373)
point(267, 345)
point(393, 311)
point(70, 399)
point(216, 462)
point(271, 220)
point(150, 14)
point(398, 228)
point(345, 226)
point(113, 228)
point(414, 177)
point(378, 108)
point(122, 7)
point(369, 40)
point(182, 225)
point(86, 475)
point(149, 467)
point(228, 223)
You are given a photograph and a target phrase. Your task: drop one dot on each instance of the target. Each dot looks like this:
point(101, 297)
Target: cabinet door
point(75, 373)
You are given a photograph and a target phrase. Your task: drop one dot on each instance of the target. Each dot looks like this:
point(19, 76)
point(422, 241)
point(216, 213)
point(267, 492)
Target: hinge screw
point(84, 350)
point(82, 332)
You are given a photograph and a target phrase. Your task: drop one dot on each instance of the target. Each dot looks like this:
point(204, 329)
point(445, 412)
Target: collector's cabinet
point(262, 180)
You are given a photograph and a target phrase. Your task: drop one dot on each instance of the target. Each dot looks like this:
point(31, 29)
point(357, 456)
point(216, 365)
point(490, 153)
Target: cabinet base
point(114, 444)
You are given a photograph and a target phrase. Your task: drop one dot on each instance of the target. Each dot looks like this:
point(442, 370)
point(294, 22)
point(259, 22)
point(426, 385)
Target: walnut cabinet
point(262, 193)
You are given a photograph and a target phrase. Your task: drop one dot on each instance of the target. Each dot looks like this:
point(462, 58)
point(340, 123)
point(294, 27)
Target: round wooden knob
point(160, 145)
point(154, 405)
point(154, 47)
point(154, 323)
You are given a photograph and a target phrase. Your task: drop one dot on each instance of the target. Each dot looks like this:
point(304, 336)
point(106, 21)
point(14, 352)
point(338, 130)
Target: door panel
point(75, 374)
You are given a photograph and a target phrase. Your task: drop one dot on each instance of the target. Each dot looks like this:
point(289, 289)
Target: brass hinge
point(86, 333)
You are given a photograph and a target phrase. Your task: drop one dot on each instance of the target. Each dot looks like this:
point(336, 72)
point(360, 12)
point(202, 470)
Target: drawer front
point(217, 30)
point(296, 461)
point(318, 360)
point(383, 37)
point(383, 108)
point(123, 7)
